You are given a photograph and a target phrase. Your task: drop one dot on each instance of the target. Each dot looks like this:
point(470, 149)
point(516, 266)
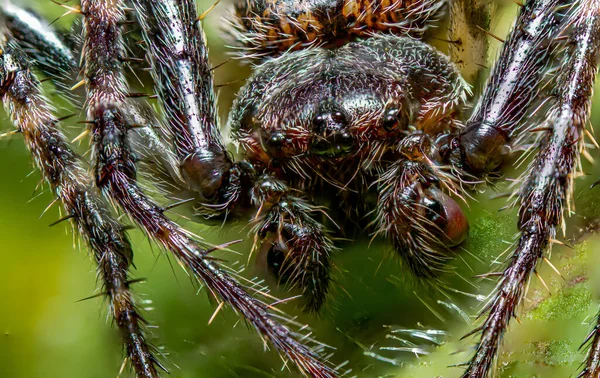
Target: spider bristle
point(491, 34)
point(206, 12)
point(62, 219)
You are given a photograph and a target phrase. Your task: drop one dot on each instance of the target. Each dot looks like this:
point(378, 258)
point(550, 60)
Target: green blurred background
point(46, 332)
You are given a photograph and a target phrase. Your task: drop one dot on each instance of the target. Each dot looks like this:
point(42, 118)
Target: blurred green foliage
point(46, 332)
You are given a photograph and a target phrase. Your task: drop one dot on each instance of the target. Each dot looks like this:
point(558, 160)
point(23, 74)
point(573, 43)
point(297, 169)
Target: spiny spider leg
point(572, 114)
point(513, 84)
point(107, 110)
point(548, 188)
point(184, 83)
point(49, 51)
point(56, 58)
point(62, 169)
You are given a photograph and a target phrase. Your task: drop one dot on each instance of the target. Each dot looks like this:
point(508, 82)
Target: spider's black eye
point(276, 144)
point(276, 140)
point(248, 120)
point(329, 120)
point(391, 119)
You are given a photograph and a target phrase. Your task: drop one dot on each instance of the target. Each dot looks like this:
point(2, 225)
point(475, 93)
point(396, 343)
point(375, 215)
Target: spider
point(348, 111)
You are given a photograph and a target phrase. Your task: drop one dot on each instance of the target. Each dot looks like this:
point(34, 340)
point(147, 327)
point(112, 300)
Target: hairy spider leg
point(108, 113)
point(514, 82)
point(57, 58)
point(547, 189)
point(183, 78)
point(51, 53)
point(298, 247)
point(62, 168)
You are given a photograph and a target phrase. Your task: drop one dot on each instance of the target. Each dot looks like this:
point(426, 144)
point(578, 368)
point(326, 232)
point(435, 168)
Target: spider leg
point(62, 169)
point(592, 363)
point(56, 58)
point(299, 249)
point(513, 84)
point(49, 50)
point(108, 112)
point(547, 188)
point(184, 83)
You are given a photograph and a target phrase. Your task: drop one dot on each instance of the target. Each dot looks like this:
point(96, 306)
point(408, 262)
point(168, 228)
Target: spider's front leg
point(547, 188)
point(497, 121)
point(108, 111)
point(184, 83)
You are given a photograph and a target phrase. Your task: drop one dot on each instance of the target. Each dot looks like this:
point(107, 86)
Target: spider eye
point(445, 213)
point(276, 140)
point(390, 119)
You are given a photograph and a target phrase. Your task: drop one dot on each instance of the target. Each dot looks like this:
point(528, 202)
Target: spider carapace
point(347, 104)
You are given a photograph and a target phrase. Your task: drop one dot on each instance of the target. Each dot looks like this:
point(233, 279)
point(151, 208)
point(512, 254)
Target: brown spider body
point(271, 27)
point(379, 114)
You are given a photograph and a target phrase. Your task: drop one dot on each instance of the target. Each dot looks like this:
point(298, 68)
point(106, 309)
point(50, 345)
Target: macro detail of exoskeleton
point(349, 126)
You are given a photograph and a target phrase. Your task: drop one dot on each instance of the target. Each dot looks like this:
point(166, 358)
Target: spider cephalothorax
point(346, 116)
point(347, 109)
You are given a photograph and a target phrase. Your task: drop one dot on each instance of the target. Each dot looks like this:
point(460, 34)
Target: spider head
point(322, 120)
